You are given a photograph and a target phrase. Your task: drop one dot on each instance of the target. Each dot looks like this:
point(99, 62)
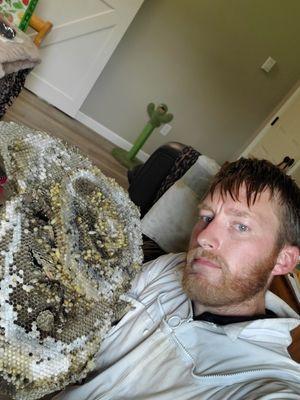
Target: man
point(202, 325)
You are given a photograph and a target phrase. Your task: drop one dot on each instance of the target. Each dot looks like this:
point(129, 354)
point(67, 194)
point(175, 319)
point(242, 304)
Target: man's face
point(232, 250)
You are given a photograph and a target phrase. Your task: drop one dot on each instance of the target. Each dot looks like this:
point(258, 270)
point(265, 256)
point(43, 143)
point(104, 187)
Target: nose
point(209, 238)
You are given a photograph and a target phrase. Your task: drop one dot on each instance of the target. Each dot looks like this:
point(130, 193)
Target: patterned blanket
point(17, 51)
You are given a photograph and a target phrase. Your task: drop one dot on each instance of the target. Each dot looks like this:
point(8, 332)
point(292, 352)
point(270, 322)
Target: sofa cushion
point(171, 219)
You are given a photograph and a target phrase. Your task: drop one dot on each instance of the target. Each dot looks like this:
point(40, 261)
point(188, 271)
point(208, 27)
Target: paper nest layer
point(69, 247)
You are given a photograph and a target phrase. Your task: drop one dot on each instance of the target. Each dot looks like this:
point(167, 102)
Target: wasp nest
point(69, 247)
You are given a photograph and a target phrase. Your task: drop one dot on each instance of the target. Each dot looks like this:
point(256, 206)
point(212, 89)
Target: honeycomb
point(70, 244)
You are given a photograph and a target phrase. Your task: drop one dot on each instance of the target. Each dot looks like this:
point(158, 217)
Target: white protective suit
point(157, 350)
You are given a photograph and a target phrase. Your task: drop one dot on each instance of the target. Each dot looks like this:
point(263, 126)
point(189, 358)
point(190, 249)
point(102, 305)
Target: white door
point(84, 36)
point(281, 137)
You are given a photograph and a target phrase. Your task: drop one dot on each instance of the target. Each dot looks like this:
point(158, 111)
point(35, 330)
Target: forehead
point(265, 209)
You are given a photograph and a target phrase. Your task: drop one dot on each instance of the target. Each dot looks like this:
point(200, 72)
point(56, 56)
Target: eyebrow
point(204, 206)
point(231, 211)
point(239, 213)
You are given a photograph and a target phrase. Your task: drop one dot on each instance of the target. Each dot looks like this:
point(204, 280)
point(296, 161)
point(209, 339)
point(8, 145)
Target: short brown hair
point(257, 176)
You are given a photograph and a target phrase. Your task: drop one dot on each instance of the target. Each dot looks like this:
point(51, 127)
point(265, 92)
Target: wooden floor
point(30, 110)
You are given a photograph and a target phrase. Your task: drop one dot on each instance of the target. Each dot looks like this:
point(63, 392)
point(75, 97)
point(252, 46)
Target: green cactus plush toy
point(158, 116)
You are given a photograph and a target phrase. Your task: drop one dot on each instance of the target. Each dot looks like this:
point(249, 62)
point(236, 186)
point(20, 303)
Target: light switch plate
point(165, 129)
point(268, 64)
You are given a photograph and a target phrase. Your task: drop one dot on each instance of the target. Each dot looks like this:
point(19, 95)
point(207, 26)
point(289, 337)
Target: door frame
point(276, 114)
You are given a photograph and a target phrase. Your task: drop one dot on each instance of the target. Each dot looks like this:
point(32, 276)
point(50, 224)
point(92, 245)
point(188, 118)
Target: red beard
point(220, 287)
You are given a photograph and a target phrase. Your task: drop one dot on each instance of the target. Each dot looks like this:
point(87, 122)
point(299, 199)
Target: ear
point(287, 259)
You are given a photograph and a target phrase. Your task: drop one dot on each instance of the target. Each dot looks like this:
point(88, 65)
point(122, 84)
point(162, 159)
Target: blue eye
point(242, 228)
point(206, 218)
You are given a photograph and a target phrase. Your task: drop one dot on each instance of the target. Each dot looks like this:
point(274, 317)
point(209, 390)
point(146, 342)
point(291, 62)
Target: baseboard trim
point(108, 134)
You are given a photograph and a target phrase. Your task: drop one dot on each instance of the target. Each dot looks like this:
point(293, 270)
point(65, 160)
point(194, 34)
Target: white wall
point(201, 57)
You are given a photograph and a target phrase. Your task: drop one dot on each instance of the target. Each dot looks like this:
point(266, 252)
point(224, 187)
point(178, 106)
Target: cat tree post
point(157, 116)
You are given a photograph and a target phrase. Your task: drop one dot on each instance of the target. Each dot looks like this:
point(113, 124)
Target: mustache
point(201, 253)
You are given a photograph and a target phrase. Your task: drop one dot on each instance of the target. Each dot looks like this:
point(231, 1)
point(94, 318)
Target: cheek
point(245, 254)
